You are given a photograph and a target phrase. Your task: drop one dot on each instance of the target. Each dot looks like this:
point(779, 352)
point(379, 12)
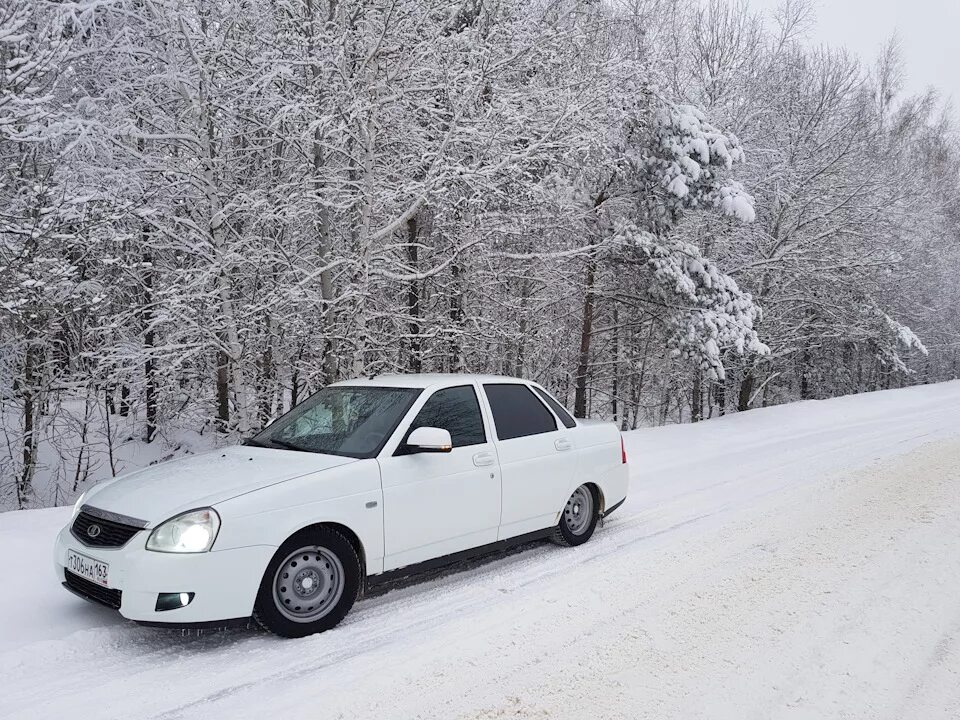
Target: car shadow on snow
point(201, 641)
point(455, 568)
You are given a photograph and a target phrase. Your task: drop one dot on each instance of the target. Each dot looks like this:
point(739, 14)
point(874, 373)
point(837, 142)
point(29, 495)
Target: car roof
point(426, 380)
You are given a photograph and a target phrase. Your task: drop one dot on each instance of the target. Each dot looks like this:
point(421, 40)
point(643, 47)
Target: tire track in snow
point(370, 626)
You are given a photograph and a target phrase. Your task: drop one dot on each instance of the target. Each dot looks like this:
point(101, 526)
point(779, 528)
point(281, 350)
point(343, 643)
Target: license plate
point(91, 569)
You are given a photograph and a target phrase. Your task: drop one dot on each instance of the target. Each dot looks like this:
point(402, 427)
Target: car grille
point(112, 534)
point(92, 591)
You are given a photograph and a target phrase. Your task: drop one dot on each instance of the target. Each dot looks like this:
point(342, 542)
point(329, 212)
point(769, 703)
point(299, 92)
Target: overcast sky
point(929, 32)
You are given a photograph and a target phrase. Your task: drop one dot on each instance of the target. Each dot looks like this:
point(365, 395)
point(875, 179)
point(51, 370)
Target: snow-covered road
point(801, 561)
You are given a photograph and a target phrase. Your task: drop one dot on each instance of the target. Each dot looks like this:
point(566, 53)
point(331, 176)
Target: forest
point(662, 210)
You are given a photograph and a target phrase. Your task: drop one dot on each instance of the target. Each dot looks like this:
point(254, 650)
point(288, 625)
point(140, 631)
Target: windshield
point(354, 421)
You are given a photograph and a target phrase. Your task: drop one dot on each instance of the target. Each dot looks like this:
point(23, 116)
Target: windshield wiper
point(291, 446)
point(274, 441)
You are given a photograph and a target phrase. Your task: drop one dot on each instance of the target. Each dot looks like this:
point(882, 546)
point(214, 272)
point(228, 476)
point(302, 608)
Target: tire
point(577, 522)
point(310, 584)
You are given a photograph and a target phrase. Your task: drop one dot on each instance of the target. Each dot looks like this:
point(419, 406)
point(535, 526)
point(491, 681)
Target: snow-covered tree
point(661, 209)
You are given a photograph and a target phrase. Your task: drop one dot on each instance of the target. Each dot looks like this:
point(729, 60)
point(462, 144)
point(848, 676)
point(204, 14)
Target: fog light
point(172, 601)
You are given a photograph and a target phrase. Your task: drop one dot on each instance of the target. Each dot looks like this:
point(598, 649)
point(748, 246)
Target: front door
point(435, 504)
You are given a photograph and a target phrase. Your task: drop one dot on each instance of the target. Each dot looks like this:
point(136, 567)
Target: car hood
point(160, 491)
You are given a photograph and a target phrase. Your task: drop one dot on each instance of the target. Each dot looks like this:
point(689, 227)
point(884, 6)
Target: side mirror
point(430, 439)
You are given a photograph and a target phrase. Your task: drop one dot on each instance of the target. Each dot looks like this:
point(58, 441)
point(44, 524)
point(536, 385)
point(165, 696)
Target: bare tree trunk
point(520, 357)
point(150, 393)
point(804, 378)
point(640, 378)
point(294, 388)
point(29, 398)
point(586, 333)
point(82, 469)
point(230, 378)
point(267, 371)
point(322, 225)
point(149, 342)
point(614, 383)
point(124, 400)
point(325, 242)
point(455, 351)
point(746, 390)
point(362, 331)
point(223, 390)
point(108, 403)
point(415, 362)
point(696, 397)
point(295, 378)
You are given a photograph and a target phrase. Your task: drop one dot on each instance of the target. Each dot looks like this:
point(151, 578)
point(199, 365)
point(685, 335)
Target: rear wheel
point(310, 584)
point(579, 517)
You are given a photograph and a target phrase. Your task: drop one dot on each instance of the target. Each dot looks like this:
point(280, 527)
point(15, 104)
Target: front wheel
point(310, 584)
point(579, 517)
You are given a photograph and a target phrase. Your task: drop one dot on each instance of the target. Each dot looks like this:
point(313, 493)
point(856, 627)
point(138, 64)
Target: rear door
point(435, 504)
point(537, 458)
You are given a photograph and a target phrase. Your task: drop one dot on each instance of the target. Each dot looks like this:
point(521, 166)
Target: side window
point(517, 412)
point(457, 411)
point(558, 409)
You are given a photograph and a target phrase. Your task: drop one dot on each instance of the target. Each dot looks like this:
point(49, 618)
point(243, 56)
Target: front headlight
point(191, 532)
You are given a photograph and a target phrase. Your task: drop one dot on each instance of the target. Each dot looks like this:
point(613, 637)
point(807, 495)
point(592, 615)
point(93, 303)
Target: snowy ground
point(801, 561)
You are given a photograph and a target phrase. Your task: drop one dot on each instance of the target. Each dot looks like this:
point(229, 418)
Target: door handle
point(563, 445)
point(483, 458)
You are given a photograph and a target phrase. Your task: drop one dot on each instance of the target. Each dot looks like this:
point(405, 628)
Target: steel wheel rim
point(579, 510)
point(308, 584)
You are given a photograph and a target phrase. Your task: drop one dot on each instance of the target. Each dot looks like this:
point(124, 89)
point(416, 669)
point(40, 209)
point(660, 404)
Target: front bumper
point(224, 582)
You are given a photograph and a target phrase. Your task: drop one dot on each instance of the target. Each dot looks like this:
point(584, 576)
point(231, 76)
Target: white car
point(365, 480)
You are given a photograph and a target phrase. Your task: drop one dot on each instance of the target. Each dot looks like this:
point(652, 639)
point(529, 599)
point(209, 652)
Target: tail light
point(623, 452)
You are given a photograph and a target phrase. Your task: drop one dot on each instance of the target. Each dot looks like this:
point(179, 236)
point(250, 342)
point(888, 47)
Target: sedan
point(366, 480)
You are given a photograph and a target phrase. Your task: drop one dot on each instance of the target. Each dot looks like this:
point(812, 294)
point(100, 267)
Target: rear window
point(517, 412)
point(560, 411)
